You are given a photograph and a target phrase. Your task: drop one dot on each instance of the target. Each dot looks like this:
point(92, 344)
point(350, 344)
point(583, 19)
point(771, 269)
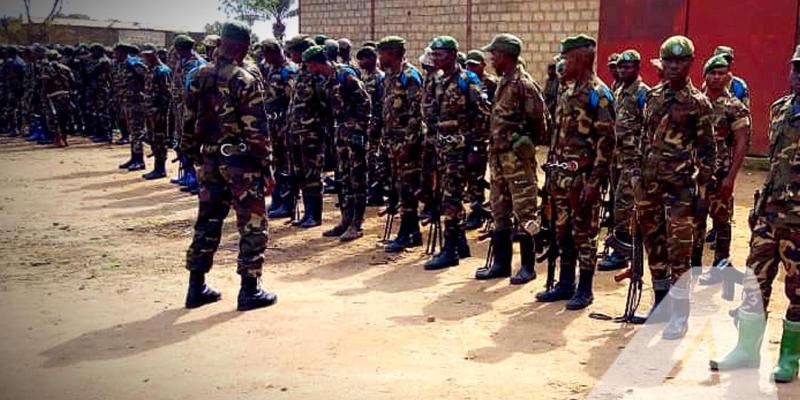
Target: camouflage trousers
point(405, 173)
point(452, 175)
point(307, 154)
point(98, 118)
point(280, 151)
point(351, 155)
point(623, 206)
point(721, 212)
point(12, 114)
point(223, 186)
point(577, 224)
point(135, 121)
point(58, 115)
point(157, 134)
point(513, 192)
point(770, 246)
point(477, 159)
point(665, 218)
point(378, 165)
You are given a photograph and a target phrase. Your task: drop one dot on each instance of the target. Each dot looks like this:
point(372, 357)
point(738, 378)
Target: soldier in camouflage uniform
point(775, 227)
point(307, 127)
point(32, 97)
point(460, 107)
point(351, 109)
point(15, 72)
point(278, 74)
point(188, 63)
point(402, 137)
point(135, 74)
point(225, 135)
point(373, 81)
point(629, 108)
point(57, 84)
point(159, 95)
point(477, 157)
point(74, 59)
point(5, 122)
point(579, 164)
point(120, 56)
point(428, 104)
point(613, 59)
point(678, 156)
point(732, 130)
point(98, 94)
point(518, 122)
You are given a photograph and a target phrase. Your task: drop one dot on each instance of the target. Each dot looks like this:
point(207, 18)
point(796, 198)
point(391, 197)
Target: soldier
point(731, 121)
point(57, 85)
point(307, 125)
point(677, 164)
point(774, 224)
point(135, 74)
point(278, 74)
point(738, 86)
point(74, 59)
point(159, 92)
point(402, 137)
point(373, 81)
point(460, 106)
point(428, 104)
point(579, 160)
point(476, 147)
point(15, 70)
point(188, 62)
point(224, 134)
point(98, 96)
point(345, 54)
point(120, 56)
point(351, 109)
point(5, 123)
point(211, 43)
point(37, 104)
point(613, 59)
point(518, 122)
point(630, 98)
point(551, 88)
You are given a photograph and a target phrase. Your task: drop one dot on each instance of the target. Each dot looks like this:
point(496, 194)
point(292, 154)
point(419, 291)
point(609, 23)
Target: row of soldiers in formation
point(670, 154)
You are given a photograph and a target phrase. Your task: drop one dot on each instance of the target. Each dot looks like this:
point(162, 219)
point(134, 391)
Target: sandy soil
point(92, 286)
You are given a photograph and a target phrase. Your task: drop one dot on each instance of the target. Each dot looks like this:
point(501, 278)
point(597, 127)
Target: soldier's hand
point(269, 185)
point(726, 189)
point(589, 195)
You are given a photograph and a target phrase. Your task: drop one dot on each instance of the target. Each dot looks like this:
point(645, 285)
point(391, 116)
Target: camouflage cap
point(148, 48)
point(796, 56)
point(505, 42)
point(320, 39)
point(299, 43)
point(366, 51)
point(613, 59)
point(314, 54)
point(444, 43)
point(475, 57)
point(211, 41)
point(577, 42)
point(629, 55)
point(52, 54)
point(270, 46)
point(391, 42)
point(726, 51)
point(236, 31)
point(183, 42)
point(717, 61)
point(677, 47)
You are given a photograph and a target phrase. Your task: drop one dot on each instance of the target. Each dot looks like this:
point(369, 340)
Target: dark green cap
point(52, 54)
point(677, 47)
point(148, 48)
point(577, 42)
point(613, 59)
point(366, 51)
point(506, 43)
point(96, 47)
point(630, 55)
point(270, 45)
point(475, 57)
point(718, 61)
point(392, 42)
point(183, 42)
point(299, 43)
point(444, 43)
point(320, 39)
point(370, 43)
point(236, 31)
point(314, 53)
point(726, 51)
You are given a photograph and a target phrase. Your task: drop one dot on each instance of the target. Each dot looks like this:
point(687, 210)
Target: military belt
point(569, 166)
point(230, 149)
point(451, 139)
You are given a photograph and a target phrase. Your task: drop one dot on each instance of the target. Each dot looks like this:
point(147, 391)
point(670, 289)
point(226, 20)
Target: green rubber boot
point(746, 354)
point(786, 370)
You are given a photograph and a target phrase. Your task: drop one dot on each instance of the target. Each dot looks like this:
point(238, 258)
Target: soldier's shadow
point(132, 338)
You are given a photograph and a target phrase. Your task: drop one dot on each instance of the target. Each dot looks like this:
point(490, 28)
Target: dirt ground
point(92, 286)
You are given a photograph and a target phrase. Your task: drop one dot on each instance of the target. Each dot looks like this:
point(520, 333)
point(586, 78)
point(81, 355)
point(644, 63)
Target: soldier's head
point(613, 60)
point(162, 54)
point(445, 52)
point(316, 60)
point(578, 53)
point(119, 52)
point(725, 51)
point(628, 66)
point(38, 52)
point(717, 73)
point(183, 45)
point(11, 51)
point(505, 49)
point(677, 57)
point(53, 55)
point(476, 62)
point(297, 45)
point(331, 48)
point(211, 42)
point(367, 58)
point(235, 41)
point(97, 50)
point(551, 69)
point(391, 52)
point(272, 51)
point(345, 49)
point(794, 74)
point(149, 54)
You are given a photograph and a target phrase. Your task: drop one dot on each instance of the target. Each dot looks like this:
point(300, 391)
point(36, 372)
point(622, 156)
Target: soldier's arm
point(604, 142)
point(414, 127)
point(362, 100)
point(741, 138)
point(534, 115)
point(189, 140)
point(705, 146)
point(481, 110)
point(254, 121)
point(376, 123)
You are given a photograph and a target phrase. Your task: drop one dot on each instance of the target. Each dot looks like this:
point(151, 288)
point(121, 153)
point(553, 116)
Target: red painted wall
point(762, 33)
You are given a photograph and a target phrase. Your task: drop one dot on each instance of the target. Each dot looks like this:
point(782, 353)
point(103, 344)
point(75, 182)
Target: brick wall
point(539, 23)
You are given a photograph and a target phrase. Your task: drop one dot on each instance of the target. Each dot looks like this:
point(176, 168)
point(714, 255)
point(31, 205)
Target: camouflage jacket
point(678, 135)
point(402, 92)
point(118, 80)
point(159, 88)
point(98, 78)
point(373, 82)
point(15, 74)
point(584, 133)
point(135, 75)
point(629, 108)
point(349, 100)
point(518, 108)
point(306, 108)
point(225, 105)
point(32, 86)
point(278, 82)
point(461, 106)
point(57, 80)
point(782, 186)
point(728, 116)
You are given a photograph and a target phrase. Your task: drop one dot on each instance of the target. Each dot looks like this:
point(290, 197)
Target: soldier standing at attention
point(373, 81)
point(351, 106)
point(613, 59)
point(16, 71)
point(580, 157)
point(188, 63)
point(225, 135)
point(120, 55)
point(135, 74)
point(159, 94)
point(629, 103)
point(460, 106)
point(98, 101)
point(738, 86)
point(57, 86)
point(518, 122)
point(677, 164)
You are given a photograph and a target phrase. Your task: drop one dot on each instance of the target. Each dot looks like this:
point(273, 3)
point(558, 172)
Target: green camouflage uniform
point(98, 96)
point(477, 157)
point(376, 156)
point(159, 93)
point(135, 74)
point(277, 96)
point(306, 130)
point(57, 83)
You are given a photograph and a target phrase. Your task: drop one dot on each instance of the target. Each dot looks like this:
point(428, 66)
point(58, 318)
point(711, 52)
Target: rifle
point(547, 239)
point(435, 236)
point(390, 211)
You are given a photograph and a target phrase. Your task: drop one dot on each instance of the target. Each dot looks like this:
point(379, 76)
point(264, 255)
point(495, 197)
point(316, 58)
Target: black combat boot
point(288, 201)
point(564, 289)
point(407, 236)
point(463, 245)
point(306, 210)
point(199, 294)
point(375, 197)
point(583, 296)
point(315, 214)
point(354, 231)
point(128, 163)
point(276, 198)
point(448, 256)
point(252, 296)
point(138, 162)
point(475, 218)
point(658, 313)
point(159, 170)
point(501, 265)
point(613, 262)
point(527, 255)
point(338, 230)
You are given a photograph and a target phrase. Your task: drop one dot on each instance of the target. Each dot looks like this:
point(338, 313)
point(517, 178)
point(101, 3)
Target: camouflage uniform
point(98, 97)
point(225, 108)
point(57, 83)
point(278, 82)
point(159, 92)
point(476, 150)
point(551, 94)
point(15, 74)
point(135, 75)
point(118, 97)
point(373, 82)
point(5, 122)
point(32, 90)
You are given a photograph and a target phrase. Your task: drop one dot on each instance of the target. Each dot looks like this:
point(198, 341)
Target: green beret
point(52, 54)
point(577, 42)
point(299, 43)
point(475, 57)
point(183, 42)
point(270, 45)
point(725, 51)
point(677, 47)
point(392, 42)
point(97, 47)
point(444, 43)
point(132, 48)
point(366, 51)
point(718, 61)
point(629, 55)
point(315, 54)
point(796, 56)
point(236, 31)
point(505, 42)
point(320, 39)
point(613, 59)
point(148, 48)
